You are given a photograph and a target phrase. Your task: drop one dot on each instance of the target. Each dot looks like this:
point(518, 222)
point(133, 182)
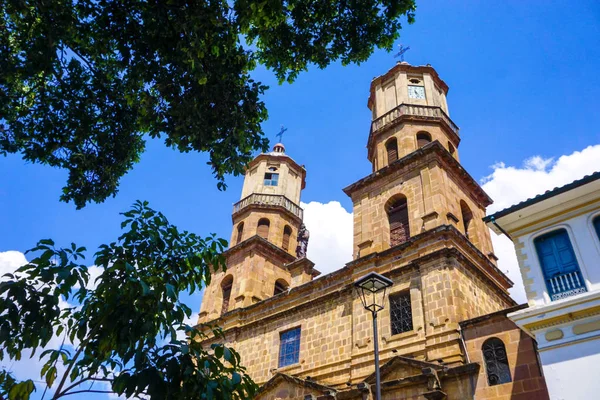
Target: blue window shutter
point(548, 259)
point(559, 264)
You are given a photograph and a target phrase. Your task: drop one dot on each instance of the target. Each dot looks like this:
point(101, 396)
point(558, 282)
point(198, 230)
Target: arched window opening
point(240, 233)
point(226, 286)
point(287, 232)
point(559, 265)
point(398, 219)
point(423, 138)
point(280, 287)
point(451, 149)
point(391, 147)
point(263, 228)
point(467, 218)
point(596, 223)
point(496, 362)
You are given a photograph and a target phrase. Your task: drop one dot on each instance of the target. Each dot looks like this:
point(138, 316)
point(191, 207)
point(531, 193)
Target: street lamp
point(371, 289)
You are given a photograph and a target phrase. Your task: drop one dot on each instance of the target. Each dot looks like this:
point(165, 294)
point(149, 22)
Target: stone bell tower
point(413, 148)
point(418, 216)
point(267, 252)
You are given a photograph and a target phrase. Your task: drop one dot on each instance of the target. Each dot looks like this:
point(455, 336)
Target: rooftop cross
point(280, 134)
point(401, 51)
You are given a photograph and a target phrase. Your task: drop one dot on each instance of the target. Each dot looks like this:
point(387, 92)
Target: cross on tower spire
point(401, 51)
point(280, 134)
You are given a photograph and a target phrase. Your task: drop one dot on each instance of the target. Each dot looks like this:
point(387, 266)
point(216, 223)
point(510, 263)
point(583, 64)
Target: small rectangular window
point(289, 347)
point(271, 179)
point(401, 313)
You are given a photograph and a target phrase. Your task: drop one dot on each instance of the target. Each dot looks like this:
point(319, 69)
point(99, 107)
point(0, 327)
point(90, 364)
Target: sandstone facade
point(444, 270)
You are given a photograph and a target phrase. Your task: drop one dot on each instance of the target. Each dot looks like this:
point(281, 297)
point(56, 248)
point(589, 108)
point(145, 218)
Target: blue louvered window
point(289, 347)
point(597, 225)
point(559, 265)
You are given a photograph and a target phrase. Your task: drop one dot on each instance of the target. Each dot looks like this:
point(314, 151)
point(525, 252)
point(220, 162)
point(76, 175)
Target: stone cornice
point(413, 161)
point(493, 273)
point(341, 281)
point(306, 264)
point(263, 246)
point(235, 216)
point(560, 312)
point(487, 317)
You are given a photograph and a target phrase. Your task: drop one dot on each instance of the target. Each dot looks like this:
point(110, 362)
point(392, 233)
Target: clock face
point(416, 92)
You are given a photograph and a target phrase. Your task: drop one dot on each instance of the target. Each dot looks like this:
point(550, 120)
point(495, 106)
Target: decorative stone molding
point(586, 327)
point(554, 335)
point(361, 343)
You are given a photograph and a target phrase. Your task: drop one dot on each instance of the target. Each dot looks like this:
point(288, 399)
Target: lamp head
point(371, 289)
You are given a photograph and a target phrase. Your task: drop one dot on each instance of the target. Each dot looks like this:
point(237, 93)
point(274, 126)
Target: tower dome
point(279, 148)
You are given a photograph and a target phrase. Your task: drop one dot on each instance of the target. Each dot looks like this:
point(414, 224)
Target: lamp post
point(371, 289)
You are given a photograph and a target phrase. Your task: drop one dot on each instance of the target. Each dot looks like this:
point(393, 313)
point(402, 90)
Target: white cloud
point(94, 272)
point(10, 261)
point(509, 185)
point(330, 243)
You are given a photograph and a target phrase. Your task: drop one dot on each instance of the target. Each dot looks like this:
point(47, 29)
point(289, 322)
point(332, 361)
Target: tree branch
point(89, 391)
point(79, 382)
point(79, 350)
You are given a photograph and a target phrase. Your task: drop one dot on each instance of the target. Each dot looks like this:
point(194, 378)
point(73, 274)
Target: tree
point(122, 334)
point(83, 83)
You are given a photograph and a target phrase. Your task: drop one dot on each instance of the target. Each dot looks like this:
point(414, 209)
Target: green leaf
point(236, 378)
point(171, 293)
point(219, 351)
point(145, 288)
point(51, 376)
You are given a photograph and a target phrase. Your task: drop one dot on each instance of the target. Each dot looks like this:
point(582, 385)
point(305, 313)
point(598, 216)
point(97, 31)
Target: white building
point(557, 240)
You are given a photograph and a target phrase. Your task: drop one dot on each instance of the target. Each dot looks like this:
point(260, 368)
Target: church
point(418, 221)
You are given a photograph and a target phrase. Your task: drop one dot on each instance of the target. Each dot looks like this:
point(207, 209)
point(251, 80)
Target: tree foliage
point(120, 336)
point(83, 83)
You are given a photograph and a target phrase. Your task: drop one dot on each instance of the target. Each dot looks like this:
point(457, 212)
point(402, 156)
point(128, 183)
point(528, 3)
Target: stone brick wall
point(433, 196)
point(406, 136)
point(527, 380)
point(336, 332)
point(254, 270)
point(277, 220)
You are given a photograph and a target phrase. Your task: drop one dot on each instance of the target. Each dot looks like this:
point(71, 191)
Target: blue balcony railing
point(565, 285)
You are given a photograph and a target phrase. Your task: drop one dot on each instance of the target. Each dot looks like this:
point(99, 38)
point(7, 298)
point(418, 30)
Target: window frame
point(263, 222)
point(388, 144)
point(392, 207)
point(595, 221)
point(281, 286)
point(295, 353)
point(272, 180)
point(424, 136)
point(226, 287)
point(406, 294)
point(503, 360)
point(285, 244)
point(239, 234)
point(548, 294)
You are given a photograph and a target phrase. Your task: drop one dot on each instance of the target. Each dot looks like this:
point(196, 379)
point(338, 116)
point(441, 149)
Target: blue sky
point(523, 80)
